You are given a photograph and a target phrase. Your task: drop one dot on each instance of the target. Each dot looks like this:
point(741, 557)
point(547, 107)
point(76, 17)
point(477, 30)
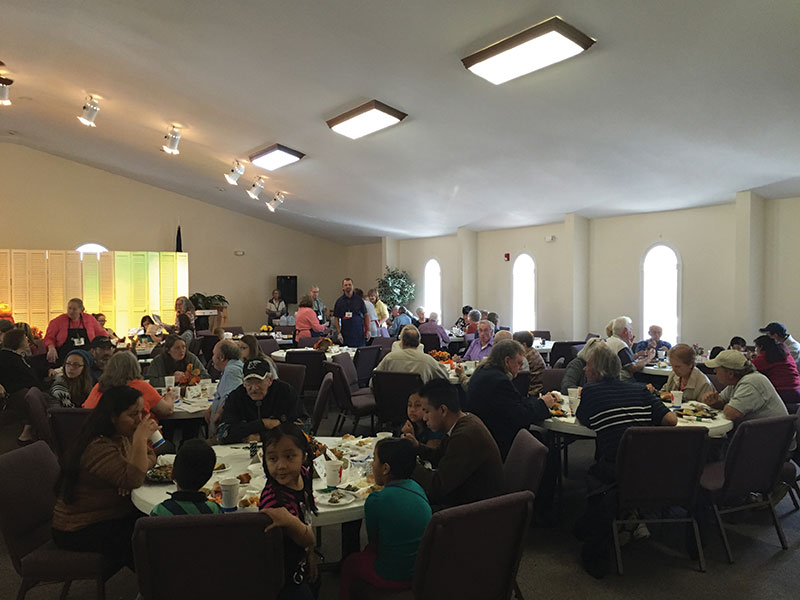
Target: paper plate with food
point(159, 474)
point(335, 498)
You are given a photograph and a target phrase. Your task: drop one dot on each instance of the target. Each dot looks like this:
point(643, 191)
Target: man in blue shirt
point(655, 342)
point(226, 360)
point(349, 317)
point(401, 320)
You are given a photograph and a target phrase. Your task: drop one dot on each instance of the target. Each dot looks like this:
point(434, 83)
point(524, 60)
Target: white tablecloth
point(280, 355)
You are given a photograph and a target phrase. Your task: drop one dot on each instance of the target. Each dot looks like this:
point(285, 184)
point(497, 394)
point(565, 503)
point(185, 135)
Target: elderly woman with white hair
point(432, 326)
point(575, 374)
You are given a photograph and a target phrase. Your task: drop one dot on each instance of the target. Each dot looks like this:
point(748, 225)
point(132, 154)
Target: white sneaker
point(641, 532)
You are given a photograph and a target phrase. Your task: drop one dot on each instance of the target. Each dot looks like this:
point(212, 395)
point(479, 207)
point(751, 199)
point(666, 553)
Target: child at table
point(193, 466)
point(288, 500)
point(396, 518)
point(416, 424)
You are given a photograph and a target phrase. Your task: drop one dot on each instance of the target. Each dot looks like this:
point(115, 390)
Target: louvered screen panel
point(182, 274)
point(56, 281)
point(73, 285)
point(20, 304)
point(5, 277)
point(139, 285)
point(122, 292)
point(106, 285)
point(168, 287)
point(37, 289)
point(91, 283)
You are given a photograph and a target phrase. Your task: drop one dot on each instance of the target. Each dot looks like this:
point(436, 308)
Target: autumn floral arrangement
point(323, 344)
point(189, 377)
point(37, 333)
point(443, 357)
point(266, 328)
point(698, 350)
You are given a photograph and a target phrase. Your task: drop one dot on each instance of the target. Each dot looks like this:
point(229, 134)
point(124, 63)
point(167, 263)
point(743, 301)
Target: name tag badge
point(77, 341)
point(348, 315)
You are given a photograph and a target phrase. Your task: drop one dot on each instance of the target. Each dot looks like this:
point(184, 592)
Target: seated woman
point(738, 343)
point(108, 459)
point(101, 319)
point(174, 361)
point(16, 377)
point(536, 364)
point(307, 323)
point(183, 306)
point(396, 518)
point(416, 425)
point(574, 374)
point(72, 387)
point(773, 360)
point(684, 377)
point(152, 332)
point(123, 369)
point(185, 329)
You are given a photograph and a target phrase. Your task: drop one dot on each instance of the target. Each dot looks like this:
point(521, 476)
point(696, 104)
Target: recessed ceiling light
point(549, 42)
point(236, 172)
point(275, 157)
point(90, 110)
point(173, 138)
point(255, 191)
point(366, 119)
point(277, 199)
point(5, 82)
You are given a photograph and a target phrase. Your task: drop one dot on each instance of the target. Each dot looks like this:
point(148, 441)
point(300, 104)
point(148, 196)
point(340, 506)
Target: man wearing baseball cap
point(101, 349)
point(777, 331)
point(748, 394)
point(260, 403)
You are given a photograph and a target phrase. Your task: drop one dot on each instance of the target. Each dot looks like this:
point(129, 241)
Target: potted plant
point(203, 302)
point(395, 287)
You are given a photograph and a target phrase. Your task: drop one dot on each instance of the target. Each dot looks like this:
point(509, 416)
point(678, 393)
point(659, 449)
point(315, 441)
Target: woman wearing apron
point(71, 331)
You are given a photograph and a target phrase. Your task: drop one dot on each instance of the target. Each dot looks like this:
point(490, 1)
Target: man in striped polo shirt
point(193, 466)
point(610, 406)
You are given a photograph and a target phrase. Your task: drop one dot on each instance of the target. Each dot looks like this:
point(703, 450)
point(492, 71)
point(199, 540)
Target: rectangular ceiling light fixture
point(275, 157)
point(366, 119)
point(542, 45)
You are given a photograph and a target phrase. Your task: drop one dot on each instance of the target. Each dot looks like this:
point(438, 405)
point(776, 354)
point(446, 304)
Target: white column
point(388, 253)
point(576, 267)
point(748, 288)
point(468, 254)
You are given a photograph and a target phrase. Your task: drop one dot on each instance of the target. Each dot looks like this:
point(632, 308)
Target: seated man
point(407, 358)
point(493, 398)
point(610, 406)
point(620, 343)
point(400, 321)
point(432, 326)
point(536, 364)
point(226, 359)
point(466, 465)
point(473, 318)
point(748, 394)
point(655, 342)
point(101, 349)
point(481, 346)
point(260, 403)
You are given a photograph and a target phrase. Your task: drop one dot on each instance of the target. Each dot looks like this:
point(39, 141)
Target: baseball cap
point(774, 328)
point(257, 368)
point(102, 341)
point(730, 359)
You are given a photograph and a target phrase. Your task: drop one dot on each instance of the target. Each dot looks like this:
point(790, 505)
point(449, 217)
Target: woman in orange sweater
point(108, 459)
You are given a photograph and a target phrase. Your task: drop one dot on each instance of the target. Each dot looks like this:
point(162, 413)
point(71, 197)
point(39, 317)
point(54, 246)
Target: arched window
point(92, 248)
point(433, 288)
point(660, 292)
point(523, 285)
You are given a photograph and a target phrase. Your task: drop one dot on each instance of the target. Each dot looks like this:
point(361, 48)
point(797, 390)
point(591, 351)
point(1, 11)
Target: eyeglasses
point(73, 364)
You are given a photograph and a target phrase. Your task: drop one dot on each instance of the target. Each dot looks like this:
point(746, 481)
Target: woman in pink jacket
point(307, 324)
point(71, 331)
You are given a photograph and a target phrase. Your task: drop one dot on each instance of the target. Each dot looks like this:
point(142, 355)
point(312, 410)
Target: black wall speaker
point(287, 285)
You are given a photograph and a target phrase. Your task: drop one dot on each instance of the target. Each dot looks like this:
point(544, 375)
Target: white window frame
point(535, 291)
point(679, 268)
point(428, 309)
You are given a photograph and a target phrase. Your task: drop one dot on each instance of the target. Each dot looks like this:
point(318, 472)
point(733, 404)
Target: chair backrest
point(313, 360)
point(341, 389)
point(551, 379)
point(575, 349)
point(234, 329)
point(165, 569)
point(37, 412)
point(430, 341)
point(447, 568)
point(29, 477)
point(660, 466)
point(40, 365)
point(66, 424)
point(541, 333)
point(285, 329)
point(756, 455)
point(522, 382)
point(294, 375)
point(307, 342)
point(196, 347)
point(559, 364)
point(391, 395)
point(468, 338)
point(207, 343)
point(321, 403)
point(563, 349)
point(366, 359)
point(268, 345)
point(348, 369)
point(382, 341)
point(525, 463)
point(591, 335)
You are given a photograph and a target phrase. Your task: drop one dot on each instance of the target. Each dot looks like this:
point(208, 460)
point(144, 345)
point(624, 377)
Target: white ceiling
point(678, 104)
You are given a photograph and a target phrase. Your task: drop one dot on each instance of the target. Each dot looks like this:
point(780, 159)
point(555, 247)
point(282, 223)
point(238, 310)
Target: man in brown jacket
point(466, 465)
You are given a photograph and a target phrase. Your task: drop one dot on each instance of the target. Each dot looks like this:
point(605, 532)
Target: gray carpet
point(550, 568)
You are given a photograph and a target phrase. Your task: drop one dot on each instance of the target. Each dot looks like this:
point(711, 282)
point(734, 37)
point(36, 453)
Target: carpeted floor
point(654, 568)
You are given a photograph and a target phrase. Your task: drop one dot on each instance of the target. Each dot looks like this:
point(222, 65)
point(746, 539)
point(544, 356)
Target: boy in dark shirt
point(193, 467)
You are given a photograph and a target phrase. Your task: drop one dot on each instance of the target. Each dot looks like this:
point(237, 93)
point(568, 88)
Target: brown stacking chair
point(313, 361)
point(659, 468)
point(525, 463)
point(753, 464)
point(285, 329)
point(321, 403)
point(563, 349)
point(234, 329)
point(444, 569)
point(307, 342)
point(365, 361)
point(294, 375)
point(391, 395)
point(167, 569)
point(37, 413)
point(541, 333)
point(430, 341)
point(359, 405)
point(268, 345)
point(26, 510)
point(66, 424)
point(551, 380)
point(196, 347)
point(522, 382)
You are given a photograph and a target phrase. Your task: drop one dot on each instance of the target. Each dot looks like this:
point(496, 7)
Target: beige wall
point(412, 255)
point(782, 273)
point(363, 265)
point(58, 204)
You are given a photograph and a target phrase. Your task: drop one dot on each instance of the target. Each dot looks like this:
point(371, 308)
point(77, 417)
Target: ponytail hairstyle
point(292, 431)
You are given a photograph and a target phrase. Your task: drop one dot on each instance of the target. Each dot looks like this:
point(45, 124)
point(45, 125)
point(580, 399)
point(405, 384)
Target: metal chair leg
point(65, 590)
point(778, 527)
point(700, 556)
point(517, 591)
point(722, 533)
point(617, 548)
point(24, 586)
point(355, 424)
